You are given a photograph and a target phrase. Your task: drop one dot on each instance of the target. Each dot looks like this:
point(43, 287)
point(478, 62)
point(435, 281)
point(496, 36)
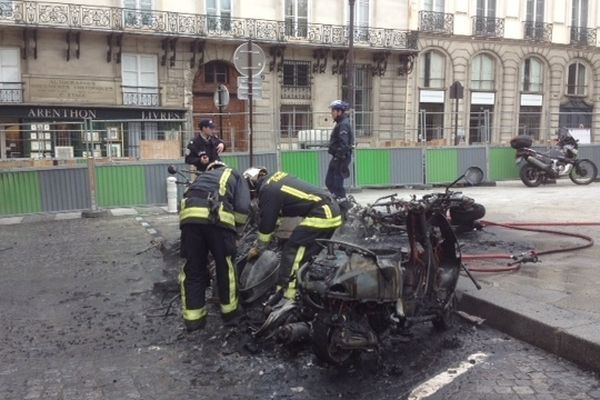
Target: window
point(363, 87)
point(486, 8)
point(141, 15)
point(482, 73)
point(579, 14)
point(140, 79)
point(535, 10)
point(534, 24)
point(532, 76)
point(485, 22)
point(361, 19)
point(216, 72)
point(294, 119)
point(219, 15)
point(576, 79)
point(432, 71)
point(433, 5)
point(296, 18)
point(296, 73)
point(11, 89)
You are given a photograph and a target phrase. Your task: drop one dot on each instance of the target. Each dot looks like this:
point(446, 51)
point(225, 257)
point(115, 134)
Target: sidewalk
point(554, 304)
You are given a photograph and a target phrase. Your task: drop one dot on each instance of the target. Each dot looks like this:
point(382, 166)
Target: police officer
point(214, 204)
point(206, 146)
point(280, 194)
point(340, 148)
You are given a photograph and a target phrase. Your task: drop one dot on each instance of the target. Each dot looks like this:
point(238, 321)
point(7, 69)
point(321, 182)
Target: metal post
point(94, 211)
point(456, 141)
point(221, 119)
point(250, 75)
point(351, 87)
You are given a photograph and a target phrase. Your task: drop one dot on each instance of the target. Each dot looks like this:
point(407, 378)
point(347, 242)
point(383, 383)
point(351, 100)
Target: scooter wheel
point(324, 346)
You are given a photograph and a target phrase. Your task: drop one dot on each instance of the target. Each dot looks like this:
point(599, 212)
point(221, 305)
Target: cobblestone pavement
point(81, 304)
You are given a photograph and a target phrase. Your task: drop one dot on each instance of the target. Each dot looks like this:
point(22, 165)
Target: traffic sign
point(249, 59)
point(221, 97)
point(243, 88)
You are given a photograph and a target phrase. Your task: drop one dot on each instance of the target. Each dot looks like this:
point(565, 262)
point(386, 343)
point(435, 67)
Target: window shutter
point(129, 69)
point(148, 71)
point(363, 13)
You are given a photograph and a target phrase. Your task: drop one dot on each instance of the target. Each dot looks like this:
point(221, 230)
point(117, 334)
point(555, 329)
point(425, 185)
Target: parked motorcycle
point(537, 167)
point(350, 296)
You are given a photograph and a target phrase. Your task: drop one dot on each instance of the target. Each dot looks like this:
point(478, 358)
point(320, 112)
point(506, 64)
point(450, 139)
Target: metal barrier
point(65, 188)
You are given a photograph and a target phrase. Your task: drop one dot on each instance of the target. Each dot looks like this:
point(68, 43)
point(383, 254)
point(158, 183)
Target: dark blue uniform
point(200, 145)
point(340, 148)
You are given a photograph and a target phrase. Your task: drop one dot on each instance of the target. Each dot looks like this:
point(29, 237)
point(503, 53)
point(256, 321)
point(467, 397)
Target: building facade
point(132, 78)
point(137, 75)
point(528, 67)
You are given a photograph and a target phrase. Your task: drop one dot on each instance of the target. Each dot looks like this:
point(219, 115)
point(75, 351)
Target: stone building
point(139, 74)
point(528, 66)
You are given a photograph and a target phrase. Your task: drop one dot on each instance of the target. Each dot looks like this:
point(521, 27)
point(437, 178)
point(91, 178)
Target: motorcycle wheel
point(530, 175)
point(583, 172)
point(466, 216)
point(323, 346)
point(446, 320)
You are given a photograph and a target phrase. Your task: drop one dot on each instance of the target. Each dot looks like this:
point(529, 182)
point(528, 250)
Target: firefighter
point(215, 203)
point(280, 194)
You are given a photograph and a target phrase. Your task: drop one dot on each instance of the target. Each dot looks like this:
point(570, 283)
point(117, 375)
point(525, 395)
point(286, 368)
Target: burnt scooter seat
point(521, 141)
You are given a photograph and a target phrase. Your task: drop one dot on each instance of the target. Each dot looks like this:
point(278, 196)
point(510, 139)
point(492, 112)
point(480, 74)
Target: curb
point(570, 335)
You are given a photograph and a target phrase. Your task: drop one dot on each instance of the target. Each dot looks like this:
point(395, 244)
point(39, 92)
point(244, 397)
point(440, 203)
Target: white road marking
point(428, 388)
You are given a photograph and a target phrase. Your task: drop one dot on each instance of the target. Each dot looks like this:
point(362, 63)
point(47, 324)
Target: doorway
point(233, 123)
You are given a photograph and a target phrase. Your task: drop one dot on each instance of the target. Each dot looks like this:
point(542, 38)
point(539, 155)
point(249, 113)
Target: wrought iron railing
point(488, 27)
point(296, 29)
point(104, 18)
point(295, 92)
point(538, 31)
point(436, 22)
point(11, 92)
point(146, 96)
point(583, 36)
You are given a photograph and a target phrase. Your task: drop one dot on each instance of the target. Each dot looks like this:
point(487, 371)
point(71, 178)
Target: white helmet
point(215, 165)
point(252, 175)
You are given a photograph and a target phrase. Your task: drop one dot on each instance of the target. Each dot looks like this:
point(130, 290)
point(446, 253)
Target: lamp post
point(350, 70)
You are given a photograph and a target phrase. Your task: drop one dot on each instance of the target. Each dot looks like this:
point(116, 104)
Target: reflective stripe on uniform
point(223, 182)
point(189, 315)
point(204, 213)
point(328, 213)
point(299, 193)
point(233, 298)
point(265, 237)
point(323, 223)
point(277, 176)
point(240, 218)
point(290, 292)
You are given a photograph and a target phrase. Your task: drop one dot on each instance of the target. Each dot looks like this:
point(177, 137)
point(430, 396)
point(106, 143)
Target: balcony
point(145, 96)
point(11, 92)
point(436, 22)
point(488, 27)
point(537, 31)
point(152, 22)
point(583, 36)
point(295, 92)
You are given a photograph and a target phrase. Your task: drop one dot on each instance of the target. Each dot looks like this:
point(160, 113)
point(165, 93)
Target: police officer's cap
point(207, 123)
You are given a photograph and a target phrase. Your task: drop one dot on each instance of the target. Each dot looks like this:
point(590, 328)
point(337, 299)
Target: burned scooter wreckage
point(350, 297)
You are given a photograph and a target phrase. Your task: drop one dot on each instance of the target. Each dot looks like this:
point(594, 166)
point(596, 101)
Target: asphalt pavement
point(83, 304)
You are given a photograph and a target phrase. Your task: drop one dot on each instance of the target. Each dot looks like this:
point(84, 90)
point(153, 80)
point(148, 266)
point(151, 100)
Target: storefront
point(55, 132)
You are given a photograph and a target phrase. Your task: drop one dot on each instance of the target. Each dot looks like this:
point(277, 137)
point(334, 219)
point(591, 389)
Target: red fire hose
point(533, 255)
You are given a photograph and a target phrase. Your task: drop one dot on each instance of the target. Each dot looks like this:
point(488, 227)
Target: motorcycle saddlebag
point(521, 141)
